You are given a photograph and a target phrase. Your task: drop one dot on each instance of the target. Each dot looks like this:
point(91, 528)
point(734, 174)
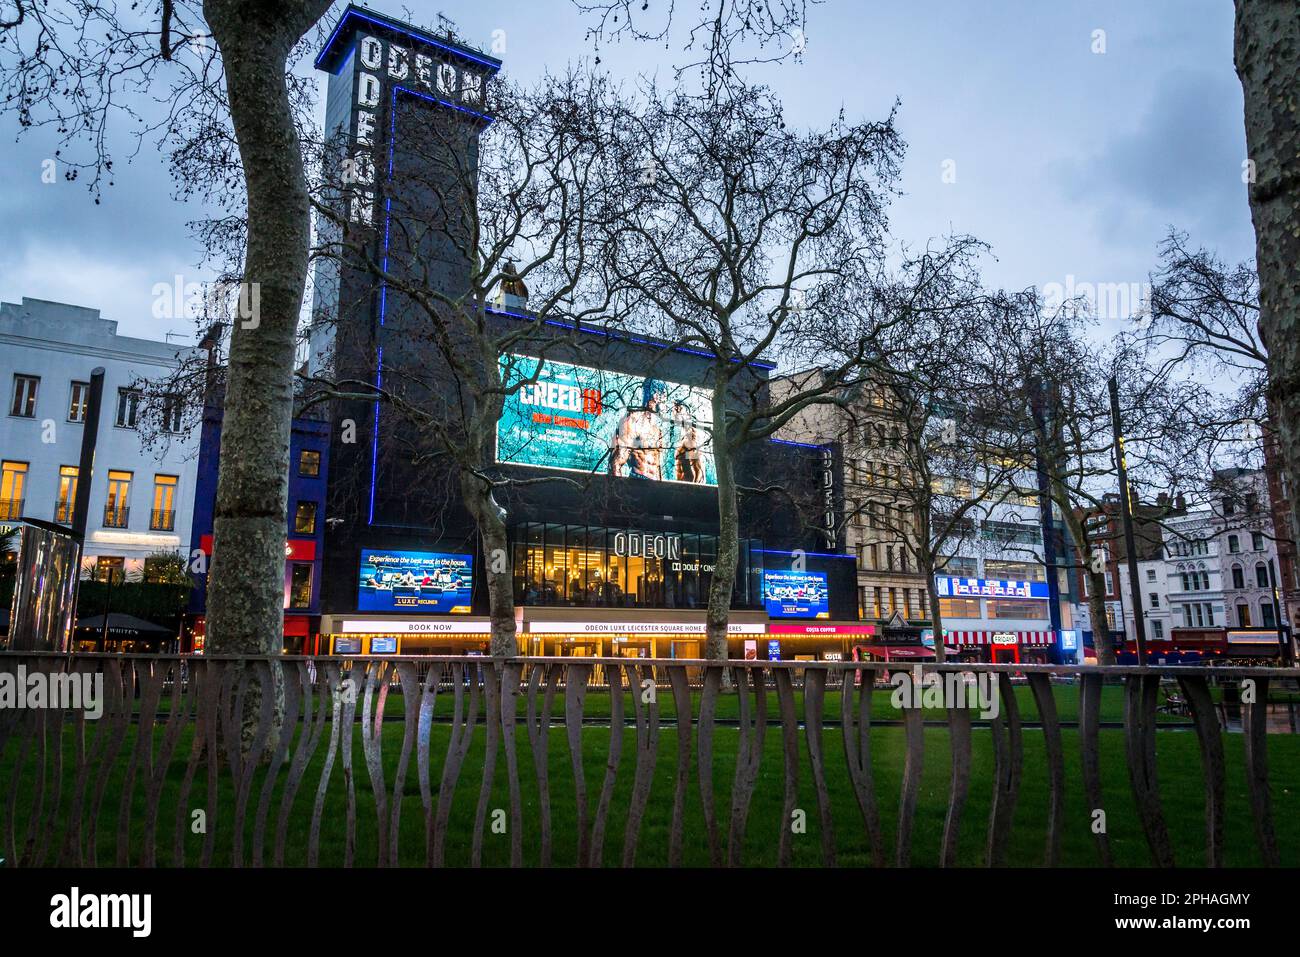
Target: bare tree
point(735, 240)
point(718, 38)
point(1267, 37)
point(221, 71)
point(485, 273)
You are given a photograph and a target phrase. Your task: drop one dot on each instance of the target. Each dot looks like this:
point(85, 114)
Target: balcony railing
point(162, 520)
point(117, 516)
point(561, 737)
point(11, 509)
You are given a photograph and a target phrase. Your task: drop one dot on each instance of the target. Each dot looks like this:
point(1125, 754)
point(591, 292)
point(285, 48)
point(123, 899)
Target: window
point(1261, 574)
point(1151, 574)
point(300, 574)
point(117, 509)
point(959, 607)
point(128, 408)
point(1266, 615)
point(1243, 615)
point(109, 567)
point(304, 518)
point(163, 516)
point(67, 494)
point(1238, 577)
point(1157, 629)
point(1014, 571)
point(1016, 608)
point(172, 406)
point(1229, 507)
point(1155, 600)
point(1234, 545)
point(24, 403)
point(1257, 541)
point(77, 399)
point(12, 482)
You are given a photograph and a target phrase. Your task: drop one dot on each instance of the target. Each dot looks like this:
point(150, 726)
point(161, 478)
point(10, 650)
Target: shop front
point(629, 633)
point(817, 641)
point(1003, 647)
point(379, 635)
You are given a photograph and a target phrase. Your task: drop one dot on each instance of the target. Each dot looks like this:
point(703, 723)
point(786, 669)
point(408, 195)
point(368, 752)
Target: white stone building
point(1247, 548)
point(141, 499)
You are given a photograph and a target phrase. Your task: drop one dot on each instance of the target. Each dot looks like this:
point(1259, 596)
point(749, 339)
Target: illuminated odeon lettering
point(377, 59)
point(647, 545)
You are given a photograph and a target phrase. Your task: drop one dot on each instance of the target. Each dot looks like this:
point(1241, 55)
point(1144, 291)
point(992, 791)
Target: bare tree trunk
point(724, 574)
point(1268, 63)
point(245, 598)
point(936, 615)
point(1101, 639)
point(490, 519)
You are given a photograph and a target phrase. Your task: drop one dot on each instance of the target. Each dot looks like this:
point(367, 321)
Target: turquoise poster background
point(573, 417)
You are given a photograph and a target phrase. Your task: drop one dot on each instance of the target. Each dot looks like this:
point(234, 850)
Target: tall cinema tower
point(390, 84)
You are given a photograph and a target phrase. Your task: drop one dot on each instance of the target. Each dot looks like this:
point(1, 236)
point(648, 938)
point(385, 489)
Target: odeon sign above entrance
point(647, 545)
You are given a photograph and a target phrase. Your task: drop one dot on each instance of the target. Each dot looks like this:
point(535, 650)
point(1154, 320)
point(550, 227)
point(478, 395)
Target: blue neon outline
point(396, 27)
point(802, 445)
point(624, 336)
point(777, 551)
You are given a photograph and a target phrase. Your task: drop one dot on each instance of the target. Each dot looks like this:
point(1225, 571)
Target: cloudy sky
point(1070, 163)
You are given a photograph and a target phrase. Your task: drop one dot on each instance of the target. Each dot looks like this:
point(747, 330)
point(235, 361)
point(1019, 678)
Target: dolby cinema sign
point(421, 65)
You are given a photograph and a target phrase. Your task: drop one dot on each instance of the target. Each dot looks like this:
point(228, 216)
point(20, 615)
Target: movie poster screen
point(576, 418)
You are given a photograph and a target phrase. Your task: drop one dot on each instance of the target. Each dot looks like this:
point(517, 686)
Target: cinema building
point(604, 473)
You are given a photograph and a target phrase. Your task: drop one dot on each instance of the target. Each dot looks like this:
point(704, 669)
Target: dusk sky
point(1069, 163)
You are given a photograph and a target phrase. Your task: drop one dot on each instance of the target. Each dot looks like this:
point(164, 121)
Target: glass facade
point(597, 566)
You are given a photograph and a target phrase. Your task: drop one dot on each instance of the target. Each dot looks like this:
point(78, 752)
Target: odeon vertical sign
point(393, 57)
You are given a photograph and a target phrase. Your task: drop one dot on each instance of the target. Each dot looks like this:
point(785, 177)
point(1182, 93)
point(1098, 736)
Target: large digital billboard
point(571, 417)
point(432, 582)
point(796, 594)
point(949, 587)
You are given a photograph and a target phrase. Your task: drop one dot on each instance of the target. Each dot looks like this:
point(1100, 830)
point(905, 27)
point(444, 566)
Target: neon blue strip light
point(493, 65)
point(438, 100)
point(777, 551)
point(802, 445)
point(624, 336)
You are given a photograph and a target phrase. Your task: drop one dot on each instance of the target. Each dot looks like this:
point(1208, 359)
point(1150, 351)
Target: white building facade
point(1247, 549)
point(141, 499)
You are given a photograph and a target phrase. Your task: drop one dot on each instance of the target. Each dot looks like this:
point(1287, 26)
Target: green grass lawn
point(1177, 753)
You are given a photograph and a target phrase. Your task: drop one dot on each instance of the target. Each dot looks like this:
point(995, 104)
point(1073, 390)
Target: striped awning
point(986, 637)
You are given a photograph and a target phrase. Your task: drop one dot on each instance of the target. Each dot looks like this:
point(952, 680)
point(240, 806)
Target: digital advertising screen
point(426, 582)
point(796, 594)
point(571, 417)
point(949, 587)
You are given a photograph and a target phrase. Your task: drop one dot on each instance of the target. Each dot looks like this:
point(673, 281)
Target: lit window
point(300, 574)
point(67, 494)
point(117, 509)
point(163, 516)
point(308, 463)
point(13, 481)
point(77, 400)
point(304, 518)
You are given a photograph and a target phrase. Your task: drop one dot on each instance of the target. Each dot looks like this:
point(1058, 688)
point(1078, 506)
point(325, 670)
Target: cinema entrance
point(626, 632)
